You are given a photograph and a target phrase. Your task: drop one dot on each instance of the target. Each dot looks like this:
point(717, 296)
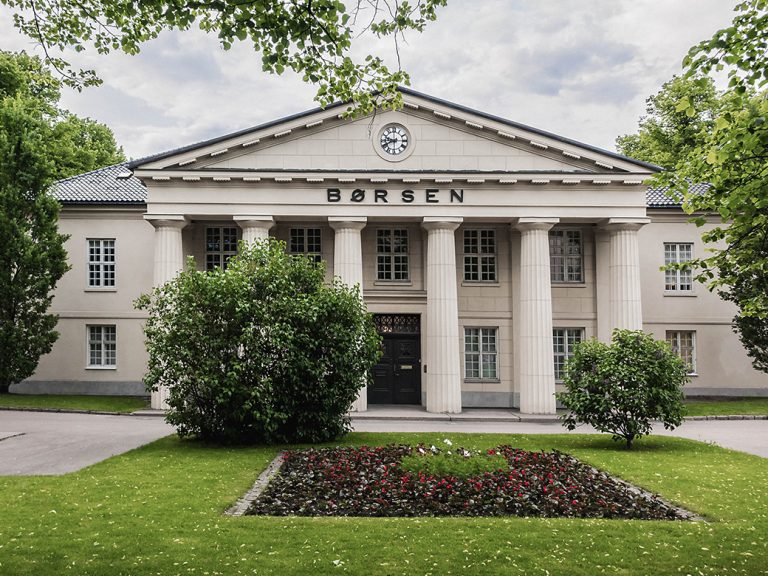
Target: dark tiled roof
point(110, 185)
point(660, 197)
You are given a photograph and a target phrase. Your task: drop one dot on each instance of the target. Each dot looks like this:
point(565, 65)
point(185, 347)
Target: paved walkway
point(50, 443)
point(744, 435)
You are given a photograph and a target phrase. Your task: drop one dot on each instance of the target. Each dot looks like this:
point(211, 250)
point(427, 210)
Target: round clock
point(394, 139)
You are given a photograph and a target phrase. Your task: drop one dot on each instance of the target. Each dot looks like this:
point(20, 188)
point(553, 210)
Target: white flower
point(446, 441)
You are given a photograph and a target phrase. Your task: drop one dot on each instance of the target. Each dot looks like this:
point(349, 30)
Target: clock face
point(394, 140)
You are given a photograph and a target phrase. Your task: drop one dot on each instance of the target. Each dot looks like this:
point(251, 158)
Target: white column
point(536, 370)
point(348, 266)
point(169, 261)
point(626, 309)
point(443, 354)
point(255, 227)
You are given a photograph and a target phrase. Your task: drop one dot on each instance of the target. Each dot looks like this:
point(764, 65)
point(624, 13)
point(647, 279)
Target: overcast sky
point(579, 68)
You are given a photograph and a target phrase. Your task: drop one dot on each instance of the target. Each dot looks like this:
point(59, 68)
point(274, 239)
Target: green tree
point(732, 157)
point(264, 351)
point(32, 255)
point(311, 37)
point(665, 133)
point(73, 144)
point(621, 387)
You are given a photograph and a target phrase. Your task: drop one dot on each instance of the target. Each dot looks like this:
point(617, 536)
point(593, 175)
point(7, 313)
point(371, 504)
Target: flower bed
point(368, 481)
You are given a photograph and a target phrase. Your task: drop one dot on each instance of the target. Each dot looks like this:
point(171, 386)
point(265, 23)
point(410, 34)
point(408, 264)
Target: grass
point(715, 407)
point(721, 407)
point(158, 510)
point(62, 402)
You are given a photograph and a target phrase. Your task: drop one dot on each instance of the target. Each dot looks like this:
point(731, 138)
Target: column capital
point(437, 223)
point(531, 223)
point(166, 220)
point(619, 224)
point(254, 221)
point(347, 222)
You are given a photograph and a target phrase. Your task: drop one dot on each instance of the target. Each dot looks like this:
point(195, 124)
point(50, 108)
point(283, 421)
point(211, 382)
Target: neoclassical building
point(484, 248)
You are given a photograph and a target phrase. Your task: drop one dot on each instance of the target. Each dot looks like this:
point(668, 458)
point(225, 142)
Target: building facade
point(484, 248)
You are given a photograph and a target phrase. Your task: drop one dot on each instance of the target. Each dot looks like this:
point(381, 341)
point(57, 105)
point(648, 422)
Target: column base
point(361, 403)
point(159, 399)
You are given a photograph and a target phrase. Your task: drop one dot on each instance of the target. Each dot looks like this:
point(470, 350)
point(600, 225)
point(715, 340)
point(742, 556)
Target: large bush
point(264, 351)
point(623, 386)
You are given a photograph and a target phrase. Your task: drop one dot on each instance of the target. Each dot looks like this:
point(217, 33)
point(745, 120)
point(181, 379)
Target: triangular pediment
point(443, 137)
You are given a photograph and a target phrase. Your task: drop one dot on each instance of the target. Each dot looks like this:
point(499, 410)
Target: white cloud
point(579, 69)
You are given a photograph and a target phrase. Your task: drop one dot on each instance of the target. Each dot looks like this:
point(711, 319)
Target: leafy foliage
point(311, 37)
point(32, 255)
point(366, 481)
point(731, 156)
point(73, 145)
point(263, 351)
point(460, 463)
point(666, 133)
point(621, 387)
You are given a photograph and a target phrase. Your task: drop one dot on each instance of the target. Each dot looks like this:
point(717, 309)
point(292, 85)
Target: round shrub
point(623, 386)
point(265, 351)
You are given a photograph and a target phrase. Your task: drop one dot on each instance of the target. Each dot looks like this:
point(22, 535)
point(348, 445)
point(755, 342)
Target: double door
point(397, 376)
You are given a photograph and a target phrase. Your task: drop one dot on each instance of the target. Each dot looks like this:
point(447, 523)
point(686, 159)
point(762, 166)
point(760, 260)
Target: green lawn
point(53, 402)
point(722, 407)
point(157, 510)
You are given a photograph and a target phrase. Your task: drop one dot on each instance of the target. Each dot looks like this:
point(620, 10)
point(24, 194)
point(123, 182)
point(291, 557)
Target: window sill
point(681, 294)
point(105, 289)
point(480, 283)
point(482, 381)
point(393, 283)
point(101, 367)
point(692, 375)
point(568, 284)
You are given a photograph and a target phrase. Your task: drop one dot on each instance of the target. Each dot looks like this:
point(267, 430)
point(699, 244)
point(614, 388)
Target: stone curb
point(729, 417)
point(437, 418)
point(148, 412)
point(545, 419)
point(241, 506)
point(66, 411)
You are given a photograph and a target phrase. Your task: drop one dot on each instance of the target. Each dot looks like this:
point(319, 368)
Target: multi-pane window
point(307, 241)
point(392, 254)
point(480, 354)
point(480, 255)
point(683, 344)
point(564, 340)
point(101, 262)
point(220, 246)
point(102, 346)
point(565, 256)
point(678, 280)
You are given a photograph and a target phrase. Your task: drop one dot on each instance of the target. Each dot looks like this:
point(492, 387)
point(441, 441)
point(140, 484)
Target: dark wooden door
point(397, 376)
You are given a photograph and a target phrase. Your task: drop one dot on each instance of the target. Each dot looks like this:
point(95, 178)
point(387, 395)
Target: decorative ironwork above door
point(397, 323)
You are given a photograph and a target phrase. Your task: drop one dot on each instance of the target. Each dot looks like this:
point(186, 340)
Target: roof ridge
point(405, 90)
point(103, 168)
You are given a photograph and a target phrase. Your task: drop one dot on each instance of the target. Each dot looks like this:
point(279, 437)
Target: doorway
point(397, 376)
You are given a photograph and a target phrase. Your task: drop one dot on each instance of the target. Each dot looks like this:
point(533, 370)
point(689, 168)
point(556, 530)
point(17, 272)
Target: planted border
point(369, 481)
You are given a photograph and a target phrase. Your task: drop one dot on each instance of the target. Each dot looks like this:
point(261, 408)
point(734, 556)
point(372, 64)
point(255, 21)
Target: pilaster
point(536, 371)
point(443, 352)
